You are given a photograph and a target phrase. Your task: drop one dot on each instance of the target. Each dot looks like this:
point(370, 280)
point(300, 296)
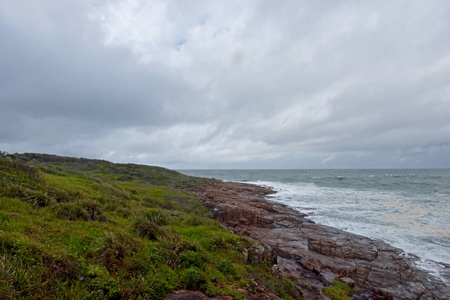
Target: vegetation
point(338, 291)
point(89, 229)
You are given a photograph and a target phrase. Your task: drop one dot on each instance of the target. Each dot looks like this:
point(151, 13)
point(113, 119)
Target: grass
point(89, 229)
point(337, 291)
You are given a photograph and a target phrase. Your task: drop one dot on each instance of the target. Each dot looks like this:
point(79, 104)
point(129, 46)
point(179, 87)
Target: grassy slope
point(90, 229)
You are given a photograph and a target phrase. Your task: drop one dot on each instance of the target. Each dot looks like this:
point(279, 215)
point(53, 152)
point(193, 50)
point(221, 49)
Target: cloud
point(327, 159)
point(236, 84)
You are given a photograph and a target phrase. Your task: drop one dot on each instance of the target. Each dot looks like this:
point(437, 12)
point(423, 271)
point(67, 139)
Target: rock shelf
point(314, 255)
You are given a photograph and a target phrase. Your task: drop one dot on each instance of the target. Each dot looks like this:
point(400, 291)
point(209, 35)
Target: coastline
point(314, 255)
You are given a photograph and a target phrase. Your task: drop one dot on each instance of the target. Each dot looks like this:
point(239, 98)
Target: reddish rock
point(187, 295)
point(304, 249)
point(350, 282)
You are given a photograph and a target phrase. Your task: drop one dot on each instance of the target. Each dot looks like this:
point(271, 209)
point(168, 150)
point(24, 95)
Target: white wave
point(416, 225)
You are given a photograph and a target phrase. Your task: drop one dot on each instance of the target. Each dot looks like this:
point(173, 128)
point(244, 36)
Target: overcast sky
point(228, 84)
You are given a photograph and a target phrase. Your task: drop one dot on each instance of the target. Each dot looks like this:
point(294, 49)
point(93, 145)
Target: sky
point(228, 84)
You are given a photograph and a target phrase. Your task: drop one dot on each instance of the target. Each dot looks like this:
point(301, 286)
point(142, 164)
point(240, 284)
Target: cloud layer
point(238, 84)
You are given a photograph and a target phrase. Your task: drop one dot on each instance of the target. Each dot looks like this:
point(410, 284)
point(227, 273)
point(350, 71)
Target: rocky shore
point(314, 255)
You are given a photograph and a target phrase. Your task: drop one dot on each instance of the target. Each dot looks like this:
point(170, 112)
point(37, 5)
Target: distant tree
point(3, 153)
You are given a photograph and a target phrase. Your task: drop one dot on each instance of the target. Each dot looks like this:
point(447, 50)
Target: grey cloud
point(243, 84)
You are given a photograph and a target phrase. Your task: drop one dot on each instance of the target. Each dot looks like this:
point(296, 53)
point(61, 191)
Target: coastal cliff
point(314, 255)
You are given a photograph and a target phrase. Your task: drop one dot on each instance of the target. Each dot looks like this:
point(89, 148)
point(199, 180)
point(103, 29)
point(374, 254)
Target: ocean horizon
point(407, 208)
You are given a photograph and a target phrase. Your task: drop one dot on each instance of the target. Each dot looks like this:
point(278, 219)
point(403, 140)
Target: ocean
point(409, 209)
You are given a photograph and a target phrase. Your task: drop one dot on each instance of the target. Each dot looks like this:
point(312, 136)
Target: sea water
point(409, 209)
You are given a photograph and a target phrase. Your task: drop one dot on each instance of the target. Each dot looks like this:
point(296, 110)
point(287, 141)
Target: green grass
point(338, 291)
point(89, 229)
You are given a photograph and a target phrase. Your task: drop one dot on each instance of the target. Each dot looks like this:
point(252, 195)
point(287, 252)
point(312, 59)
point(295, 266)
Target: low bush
point(189, 259)
point(65, 195)
point(148, 224)
point(8, 276)
point(16, 279)
point(66, 268)
point(111, 250)
point(192, 278)
point(19, 245)
point(226, 267)
point(101, 284)
point(211, 290)
point(162, 285)
point(172, 246)
point(146, 228)
point(20, 173)
point(86, 210)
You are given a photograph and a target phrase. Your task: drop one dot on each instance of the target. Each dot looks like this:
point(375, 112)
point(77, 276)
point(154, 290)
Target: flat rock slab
point(187, 295)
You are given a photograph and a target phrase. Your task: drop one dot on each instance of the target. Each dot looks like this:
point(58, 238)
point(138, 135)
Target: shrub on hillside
point(148, 225)
point(111, 250)
point(80, 210)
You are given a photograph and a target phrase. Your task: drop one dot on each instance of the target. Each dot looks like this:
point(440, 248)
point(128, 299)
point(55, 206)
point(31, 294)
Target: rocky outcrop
point(196, 295)
point(313, 255)
point(260, 252)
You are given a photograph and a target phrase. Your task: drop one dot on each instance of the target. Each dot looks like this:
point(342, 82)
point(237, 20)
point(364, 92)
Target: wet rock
point(311, 253)
point(327, 276)
point(370, 295)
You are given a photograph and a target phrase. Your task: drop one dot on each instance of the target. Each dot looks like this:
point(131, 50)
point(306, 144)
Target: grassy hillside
point(90, 229)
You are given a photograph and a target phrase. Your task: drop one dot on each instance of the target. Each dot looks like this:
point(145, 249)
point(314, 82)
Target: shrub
point(65, 195)
point(143, 227)
point(101, 283)
point(141, 262)
point(192, 278)
point(233, 293)
point(211, 290)
point(80, 210)
point(226, 267)
point(16, 278)
point(171, 248)
point(161, 286)
point(39, 198)
point(113, 248)
point(151, 286)
point(8, 275)
point(20, 172)
point(34, 197)
point(148, 225)
point(221, 241)
point(20, 246)
point(138, 286)
point(157, 216)
point(190, 258)
point(65, 269)
point(243, 283)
